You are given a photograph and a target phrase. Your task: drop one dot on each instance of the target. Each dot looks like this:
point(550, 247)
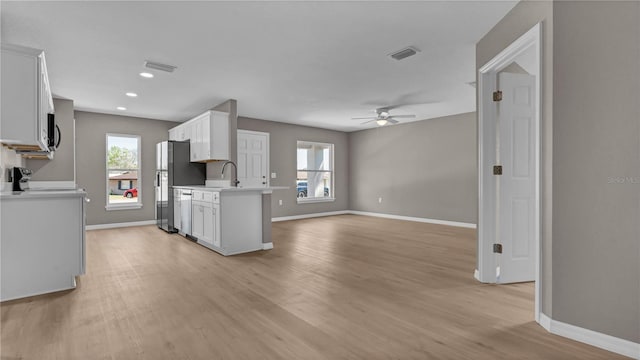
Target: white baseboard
point(590, 337)
point(365, 213)
point(476, 274)
point(267, 246)
point(417, 219)
point(307, 216)
point(545, 322)
point(119, 225)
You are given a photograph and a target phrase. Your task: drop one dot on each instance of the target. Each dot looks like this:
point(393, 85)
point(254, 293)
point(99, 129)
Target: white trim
point(120, 225)
point(545, 322)
point(267, 246)
point(307, 200)
point(366, 213)
point(123, 207)
point(308, 216)
point(594, 338)
point(416, 219)
point(476, 274)
point(52, 184)
point(486, 157)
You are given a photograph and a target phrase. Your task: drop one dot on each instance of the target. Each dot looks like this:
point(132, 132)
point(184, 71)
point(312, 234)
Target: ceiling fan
point(383, 117)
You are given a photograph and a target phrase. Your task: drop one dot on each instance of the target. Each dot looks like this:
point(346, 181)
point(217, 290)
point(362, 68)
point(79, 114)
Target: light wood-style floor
point(341, 287)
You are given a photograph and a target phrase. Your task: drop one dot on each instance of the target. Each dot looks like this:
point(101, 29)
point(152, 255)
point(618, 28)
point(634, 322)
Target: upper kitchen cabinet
point(208, 134)
point(26, 99)
point(180, 133)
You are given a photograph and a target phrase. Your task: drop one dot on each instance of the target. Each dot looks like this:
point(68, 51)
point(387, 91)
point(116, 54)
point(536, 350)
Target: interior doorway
point(509, 109)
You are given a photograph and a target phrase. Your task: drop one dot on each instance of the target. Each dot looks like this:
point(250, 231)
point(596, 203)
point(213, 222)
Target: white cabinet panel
point(208, 134)
point(26, 98)
point(43, 258)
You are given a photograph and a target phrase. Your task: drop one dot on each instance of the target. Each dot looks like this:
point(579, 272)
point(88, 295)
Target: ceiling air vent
point(158, 66)
point(404, 53)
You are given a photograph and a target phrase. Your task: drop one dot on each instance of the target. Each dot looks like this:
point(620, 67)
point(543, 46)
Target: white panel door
point(516, 186)
point(253, 158)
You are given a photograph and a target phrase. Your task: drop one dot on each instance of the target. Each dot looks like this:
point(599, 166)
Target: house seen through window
point(315, 171)
point(123, 171)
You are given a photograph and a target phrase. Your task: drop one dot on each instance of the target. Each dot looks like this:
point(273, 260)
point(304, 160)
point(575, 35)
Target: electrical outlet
point(380, 200)
point(280, 202)
point(273, 175)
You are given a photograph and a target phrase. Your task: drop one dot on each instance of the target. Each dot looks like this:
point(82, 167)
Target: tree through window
point(123, 171)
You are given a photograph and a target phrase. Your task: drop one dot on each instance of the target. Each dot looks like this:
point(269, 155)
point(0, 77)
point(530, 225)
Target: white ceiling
point(310, 63)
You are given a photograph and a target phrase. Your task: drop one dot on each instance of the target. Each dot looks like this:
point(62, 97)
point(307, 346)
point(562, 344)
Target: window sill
point(123, 207)
point(314, 200)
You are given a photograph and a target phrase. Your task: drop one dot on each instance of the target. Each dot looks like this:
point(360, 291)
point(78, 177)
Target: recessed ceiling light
point(131, 94)
point(121, 108)
point(146, 75)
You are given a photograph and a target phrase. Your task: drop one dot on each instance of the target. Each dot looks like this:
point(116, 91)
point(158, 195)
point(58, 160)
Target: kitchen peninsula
point(228, 220)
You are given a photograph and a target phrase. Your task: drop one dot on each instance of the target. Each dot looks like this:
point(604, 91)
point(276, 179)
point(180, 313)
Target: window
point(123, 172)
point(315, 172)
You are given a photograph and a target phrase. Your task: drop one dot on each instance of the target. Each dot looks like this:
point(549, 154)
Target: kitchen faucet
point(235, 181)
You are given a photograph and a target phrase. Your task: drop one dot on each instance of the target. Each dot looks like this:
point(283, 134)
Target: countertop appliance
point(21, 177)
point(173, 168)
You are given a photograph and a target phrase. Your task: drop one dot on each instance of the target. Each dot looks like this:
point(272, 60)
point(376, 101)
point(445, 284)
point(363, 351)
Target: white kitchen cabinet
point(26, 98)
point(46, 257)
point(205, 217)
point(208, 134)
point(173, 133)
point(228, 221)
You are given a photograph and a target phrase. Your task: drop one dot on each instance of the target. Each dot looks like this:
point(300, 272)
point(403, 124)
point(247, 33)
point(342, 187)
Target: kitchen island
point(42, 241)
point(228, 220)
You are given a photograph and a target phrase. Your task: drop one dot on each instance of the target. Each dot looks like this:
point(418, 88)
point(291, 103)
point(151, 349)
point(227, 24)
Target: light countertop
point(264, 190)
point(41, 193)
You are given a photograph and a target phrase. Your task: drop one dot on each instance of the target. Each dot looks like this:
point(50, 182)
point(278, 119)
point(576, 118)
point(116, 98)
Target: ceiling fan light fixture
point(384, 114)
point(381, 122)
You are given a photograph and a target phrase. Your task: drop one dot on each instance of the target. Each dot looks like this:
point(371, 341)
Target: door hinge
point(497, 170)
point(497, 95)
point(497, 248)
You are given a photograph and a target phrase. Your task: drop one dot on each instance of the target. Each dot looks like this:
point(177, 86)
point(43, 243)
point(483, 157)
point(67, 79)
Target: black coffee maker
point(21, 177)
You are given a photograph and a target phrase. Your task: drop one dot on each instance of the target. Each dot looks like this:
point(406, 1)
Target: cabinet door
point(206, 137)
point(43, 109)
point(196, 140)
point(177, 209)
point(173, 134)
point(219, 136)
point(208, 227)
point(197, 220)
point(216, 225)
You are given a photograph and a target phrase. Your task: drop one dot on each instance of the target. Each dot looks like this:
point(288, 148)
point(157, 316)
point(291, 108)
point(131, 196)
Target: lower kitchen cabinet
point(42, 243)
point(229, 222)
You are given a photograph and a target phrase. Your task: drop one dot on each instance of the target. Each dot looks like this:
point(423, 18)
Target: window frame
point(332, 193)
point(128, 205)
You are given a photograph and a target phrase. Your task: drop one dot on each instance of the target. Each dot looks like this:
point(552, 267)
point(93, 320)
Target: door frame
point(487, 84)
point(268, 135)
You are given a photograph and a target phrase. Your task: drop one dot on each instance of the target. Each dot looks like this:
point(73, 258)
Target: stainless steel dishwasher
point(185, 212)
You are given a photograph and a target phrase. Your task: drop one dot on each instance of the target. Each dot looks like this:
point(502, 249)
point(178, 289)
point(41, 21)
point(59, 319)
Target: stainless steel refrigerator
point(173, 168)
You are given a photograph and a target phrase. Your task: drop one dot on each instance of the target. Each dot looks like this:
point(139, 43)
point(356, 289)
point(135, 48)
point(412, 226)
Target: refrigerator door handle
point(158, 179)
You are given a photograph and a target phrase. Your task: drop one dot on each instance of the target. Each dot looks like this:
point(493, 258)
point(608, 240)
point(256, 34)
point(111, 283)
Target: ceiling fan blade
point(402, 116)
point(364, 118)
point(366, 122)
point(392, 121)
